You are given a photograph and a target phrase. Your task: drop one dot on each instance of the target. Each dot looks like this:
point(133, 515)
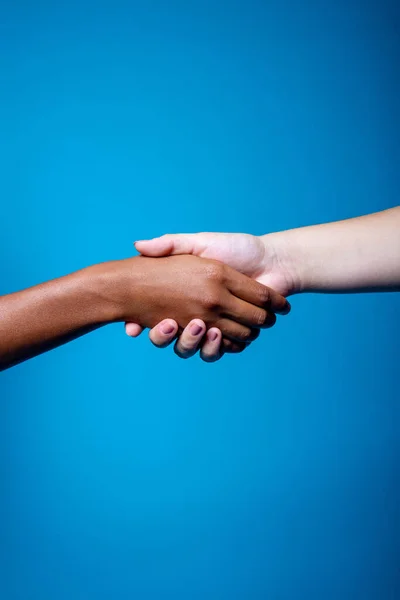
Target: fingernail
point(167, 329)
point(212, 336)
point(195, 329)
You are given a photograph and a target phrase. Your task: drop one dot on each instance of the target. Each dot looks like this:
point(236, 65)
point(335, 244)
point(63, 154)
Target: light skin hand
point(194, 334)
point(244, 252)
point(211, 343)
point(360, 254)
point(256, 257)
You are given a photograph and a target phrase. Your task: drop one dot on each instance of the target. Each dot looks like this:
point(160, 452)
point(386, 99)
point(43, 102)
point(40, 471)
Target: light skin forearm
point(356, 255)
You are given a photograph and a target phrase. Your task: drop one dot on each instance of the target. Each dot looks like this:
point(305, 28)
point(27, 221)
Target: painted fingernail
point(195, 329)
point(212, 336)
point(167, 329)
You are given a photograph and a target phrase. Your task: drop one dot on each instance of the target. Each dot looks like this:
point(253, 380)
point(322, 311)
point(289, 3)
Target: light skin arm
point(143, 290)
point(355, 255)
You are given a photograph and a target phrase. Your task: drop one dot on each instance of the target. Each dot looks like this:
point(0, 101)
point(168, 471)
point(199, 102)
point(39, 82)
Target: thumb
point(180, 243)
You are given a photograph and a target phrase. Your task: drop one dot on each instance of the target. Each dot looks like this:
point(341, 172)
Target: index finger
point(256, 293)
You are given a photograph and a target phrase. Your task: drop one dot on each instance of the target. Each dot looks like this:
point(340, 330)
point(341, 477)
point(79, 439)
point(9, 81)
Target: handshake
point(213, 297)
point(211, 292)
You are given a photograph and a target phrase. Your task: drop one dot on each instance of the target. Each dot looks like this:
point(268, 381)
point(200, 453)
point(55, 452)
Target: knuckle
point(265, 295)
point(244, 335)
point(212, 300)
point(260, 317)
point(216, 271)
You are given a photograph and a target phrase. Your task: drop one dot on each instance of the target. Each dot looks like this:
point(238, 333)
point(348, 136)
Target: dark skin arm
point(141, 290)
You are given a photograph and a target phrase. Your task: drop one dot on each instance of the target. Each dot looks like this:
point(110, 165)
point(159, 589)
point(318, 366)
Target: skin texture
point(355, 255)
point(142, 290)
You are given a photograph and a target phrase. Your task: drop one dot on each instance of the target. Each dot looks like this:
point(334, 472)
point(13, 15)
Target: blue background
point(125, 472)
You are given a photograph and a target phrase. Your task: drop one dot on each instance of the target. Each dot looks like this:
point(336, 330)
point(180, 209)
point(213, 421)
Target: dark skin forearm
point(141, 290)
point(45, 316)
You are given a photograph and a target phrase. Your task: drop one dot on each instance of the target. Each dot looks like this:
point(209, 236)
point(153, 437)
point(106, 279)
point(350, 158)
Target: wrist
point(287, 257)
point(106, 287)
point(122, 289)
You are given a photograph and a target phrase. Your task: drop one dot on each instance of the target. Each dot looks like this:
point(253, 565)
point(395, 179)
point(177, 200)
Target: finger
point(237, 332)
point(250, 290)
point(181, 243)
point(230, 347)
point(211, 348)
point(164, 333)
point(133, 329)
point(189, 341)
point(248, 314)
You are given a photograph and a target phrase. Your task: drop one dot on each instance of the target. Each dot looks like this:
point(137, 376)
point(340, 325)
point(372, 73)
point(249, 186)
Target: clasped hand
point(224, 309)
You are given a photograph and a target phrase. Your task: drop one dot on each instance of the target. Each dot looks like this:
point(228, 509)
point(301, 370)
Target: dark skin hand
point(141, 290)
